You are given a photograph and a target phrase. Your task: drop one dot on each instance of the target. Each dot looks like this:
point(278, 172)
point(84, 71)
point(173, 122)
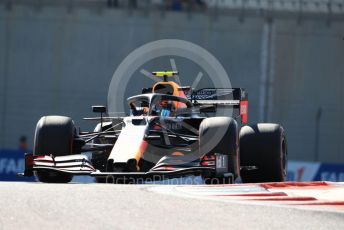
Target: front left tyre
point(220, 135)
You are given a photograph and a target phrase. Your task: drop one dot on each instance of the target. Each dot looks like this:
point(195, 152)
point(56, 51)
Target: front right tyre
point(54, 136)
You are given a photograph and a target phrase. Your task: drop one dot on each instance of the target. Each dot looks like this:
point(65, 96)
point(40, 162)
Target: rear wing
point(215, 97)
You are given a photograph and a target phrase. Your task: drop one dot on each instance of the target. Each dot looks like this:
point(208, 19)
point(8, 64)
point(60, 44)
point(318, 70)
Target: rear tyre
point(54, 136)
point(263, 146)
point(220, 135)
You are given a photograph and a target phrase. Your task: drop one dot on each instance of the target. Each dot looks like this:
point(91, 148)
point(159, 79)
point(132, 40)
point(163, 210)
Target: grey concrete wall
point(309, 75)
point(58, 62)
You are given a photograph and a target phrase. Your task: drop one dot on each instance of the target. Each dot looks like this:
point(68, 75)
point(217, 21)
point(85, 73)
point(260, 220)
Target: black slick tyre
point(265, 147)
point(220, 135)
point(54, 136)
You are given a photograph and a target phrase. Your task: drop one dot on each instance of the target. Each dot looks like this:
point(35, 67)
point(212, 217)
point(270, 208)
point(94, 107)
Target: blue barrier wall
point(11, 163)
point(315, 171)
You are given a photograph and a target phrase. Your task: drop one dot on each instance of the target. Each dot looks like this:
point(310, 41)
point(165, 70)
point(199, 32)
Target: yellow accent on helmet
point(165, 73)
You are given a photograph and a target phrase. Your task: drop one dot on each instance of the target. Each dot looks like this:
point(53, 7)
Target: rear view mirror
point(98, 109)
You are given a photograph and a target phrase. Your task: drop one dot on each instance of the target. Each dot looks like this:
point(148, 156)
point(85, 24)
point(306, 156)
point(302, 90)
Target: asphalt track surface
point(108, 206)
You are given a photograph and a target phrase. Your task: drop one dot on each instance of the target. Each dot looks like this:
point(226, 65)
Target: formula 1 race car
point(172, 131)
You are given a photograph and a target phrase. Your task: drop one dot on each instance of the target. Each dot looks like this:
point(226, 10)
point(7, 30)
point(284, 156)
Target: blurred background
point(58, 58)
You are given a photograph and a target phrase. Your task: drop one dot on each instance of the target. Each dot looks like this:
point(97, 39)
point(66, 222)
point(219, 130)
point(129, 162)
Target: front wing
point(80, 165)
